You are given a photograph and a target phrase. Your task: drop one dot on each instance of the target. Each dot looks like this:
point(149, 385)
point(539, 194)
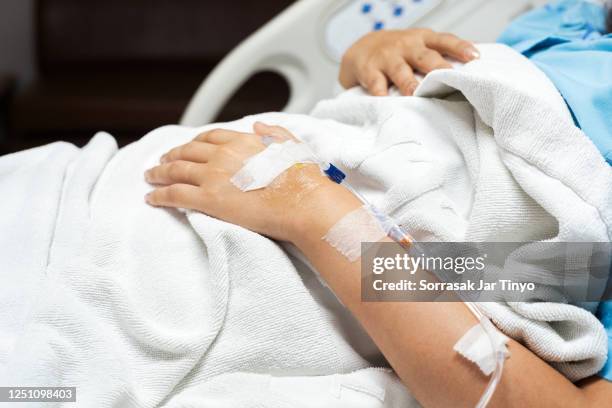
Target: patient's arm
point(416, 338)
point(384, 56)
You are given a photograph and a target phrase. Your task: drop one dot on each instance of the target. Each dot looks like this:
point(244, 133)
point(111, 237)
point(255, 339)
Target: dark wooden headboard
point(75, 34)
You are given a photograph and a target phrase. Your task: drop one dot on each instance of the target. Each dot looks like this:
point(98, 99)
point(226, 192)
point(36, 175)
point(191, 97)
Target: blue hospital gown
point(566, 39)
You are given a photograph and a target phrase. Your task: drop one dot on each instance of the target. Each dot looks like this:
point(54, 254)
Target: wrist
point(318, 212)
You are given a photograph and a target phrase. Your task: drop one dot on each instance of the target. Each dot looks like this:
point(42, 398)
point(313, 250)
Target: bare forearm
point(418, 338)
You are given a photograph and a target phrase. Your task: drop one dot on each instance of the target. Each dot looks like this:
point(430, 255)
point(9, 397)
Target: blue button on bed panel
point(366, 8)
point(398, 11)
point(379, 25)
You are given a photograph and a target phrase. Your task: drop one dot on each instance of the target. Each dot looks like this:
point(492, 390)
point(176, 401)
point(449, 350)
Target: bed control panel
point(357, 18)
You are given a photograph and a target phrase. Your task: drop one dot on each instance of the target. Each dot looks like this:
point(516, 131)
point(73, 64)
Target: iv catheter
point(397, 234)
point(394, 231)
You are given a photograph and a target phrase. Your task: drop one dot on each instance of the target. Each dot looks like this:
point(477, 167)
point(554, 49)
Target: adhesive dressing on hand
point(261, 169)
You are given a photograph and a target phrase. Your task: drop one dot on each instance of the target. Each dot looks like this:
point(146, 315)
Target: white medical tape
point(260, 170)
point(476, 345)
point(358, 226)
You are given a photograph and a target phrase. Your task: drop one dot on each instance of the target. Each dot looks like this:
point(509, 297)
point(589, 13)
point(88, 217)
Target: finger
point(347, 77)
point(218, 136)
point(197, 152)
point(179, 171)
point(400, 73)
point(426, 60)
point(279, 133)
point(374, 81)
point(348, 72)
point(177, 196)
point(453, 46)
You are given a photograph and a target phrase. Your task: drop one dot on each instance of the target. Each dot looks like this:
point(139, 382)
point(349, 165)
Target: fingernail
point(471, 53)
point(164, 158)
point(412, 87)
point(148, 198)
point(147, 175)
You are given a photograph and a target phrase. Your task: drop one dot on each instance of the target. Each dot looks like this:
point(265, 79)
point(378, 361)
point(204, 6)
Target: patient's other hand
point(394, 55)
point(197, 176)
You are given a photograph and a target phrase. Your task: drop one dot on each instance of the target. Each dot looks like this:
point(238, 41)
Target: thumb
point(279, 133)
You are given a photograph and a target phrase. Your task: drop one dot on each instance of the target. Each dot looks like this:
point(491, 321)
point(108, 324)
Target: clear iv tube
point(500, 356)
point(397, 234)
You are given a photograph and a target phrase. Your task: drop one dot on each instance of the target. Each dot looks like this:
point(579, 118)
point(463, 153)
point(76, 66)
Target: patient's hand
point(197, 176)
point(395, 55)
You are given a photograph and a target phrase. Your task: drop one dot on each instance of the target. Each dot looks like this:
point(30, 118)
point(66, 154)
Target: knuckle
point(210, 192)
point(225, 150)
point(463, 44)
point(219, 172)
point(424, 55)
point(228, 152)
point(385, 53)
point(370, 81)
point(368, 67)
point(177, 152)
point(454, 42)
point(189, 150)
point(171, 193)
point(190, 170)
point(397, 43)
point(174, 169)
point(174, 153)
point(215, 132)
point(422, 31)
point(397, 69)
point(446, 37)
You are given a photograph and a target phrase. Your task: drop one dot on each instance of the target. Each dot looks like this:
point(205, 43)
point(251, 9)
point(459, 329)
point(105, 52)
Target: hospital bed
point(305, 43)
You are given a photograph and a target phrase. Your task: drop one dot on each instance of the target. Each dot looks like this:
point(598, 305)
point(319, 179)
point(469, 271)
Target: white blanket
point(127, 303)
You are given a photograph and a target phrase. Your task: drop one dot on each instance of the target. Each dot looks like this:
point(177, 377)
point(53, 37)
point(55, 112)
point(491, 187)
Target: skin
point(416, 338)
point(382, 58)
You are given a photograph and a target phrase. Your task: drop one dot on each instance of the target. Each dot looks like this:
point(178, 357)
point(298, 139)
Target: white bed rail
point(287, 45)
